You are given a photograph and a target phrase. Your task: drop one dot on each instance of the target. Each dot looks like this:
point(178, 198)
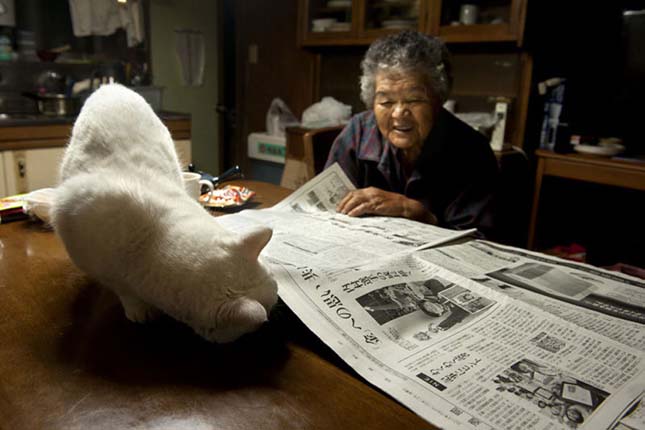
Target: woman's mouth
point(402, 128)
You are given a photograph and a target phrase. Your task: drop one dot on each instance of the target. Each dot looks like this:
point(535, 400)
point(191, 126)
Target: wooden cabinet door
point(359, 22)
point(328, 22)
point(487, 21)
point(28, 170)
point(380, 17)
point(3, 181)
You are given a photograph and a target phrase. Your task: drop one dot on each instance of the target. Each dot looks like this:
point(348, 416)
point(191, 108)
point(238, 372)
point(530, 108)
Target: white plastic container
point(262, 146)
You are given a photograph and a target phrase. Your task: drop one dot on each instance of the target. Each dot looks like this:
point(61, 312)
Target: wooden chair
point(307, 151)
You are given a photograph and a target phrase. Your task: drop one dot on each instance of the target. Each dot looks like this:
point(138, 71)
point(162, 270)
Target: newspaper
point(601, 301)
point(436, 326)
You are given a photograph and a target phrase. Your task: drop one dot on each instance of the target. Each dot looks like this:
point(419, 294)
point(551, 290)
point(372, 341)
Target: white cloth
point(104, 17)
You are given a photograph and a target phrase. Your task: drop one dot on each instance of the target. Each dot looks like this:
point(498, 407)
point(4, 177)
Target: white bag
point(326, 113)
point(279, 117)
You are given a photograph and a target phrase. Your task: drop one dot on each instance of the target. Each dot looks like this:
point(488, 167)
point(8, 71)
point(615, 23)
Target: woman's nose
point(400, 109)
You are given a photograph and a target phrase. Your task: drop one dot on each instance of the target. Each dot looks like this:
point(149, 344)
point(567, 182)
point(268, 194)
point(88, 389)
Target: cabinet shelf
point(334, 9)
point(386, 4)
point(477, 33)
point(482, 94)
point(430, 16)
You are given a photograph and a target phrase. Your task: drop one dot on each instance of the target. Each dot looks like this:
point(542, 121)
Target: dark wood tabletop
point(69, 359)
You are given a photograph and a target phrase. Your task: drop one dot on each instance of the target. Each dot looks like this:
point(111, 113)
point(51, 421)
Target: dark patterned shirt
point(454, 177)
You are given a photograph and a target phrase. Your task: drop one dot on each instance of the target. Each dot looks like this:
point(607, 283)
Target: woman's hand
point(374, 201)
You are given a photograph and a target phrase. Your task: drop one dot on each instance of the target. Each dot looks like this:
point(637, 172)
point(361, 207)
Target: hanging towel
point(104, 17)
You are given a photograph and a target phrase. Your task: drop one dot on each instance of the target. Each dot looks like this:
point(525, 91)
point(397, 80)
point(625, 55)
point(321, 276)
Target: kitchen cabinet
point(492, 20)
point(3, 185)
point(28, 170)
point(359, 22)
point(347, 22)
point(30, 155)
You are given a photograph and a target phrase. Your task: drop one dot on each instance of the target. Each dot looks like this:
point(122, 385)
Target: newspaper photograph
point(609, 303)
point(468, 335)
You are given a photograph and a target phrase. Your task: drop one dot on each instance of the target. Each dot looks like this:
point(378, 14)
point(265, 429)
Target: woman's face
point(404, 110)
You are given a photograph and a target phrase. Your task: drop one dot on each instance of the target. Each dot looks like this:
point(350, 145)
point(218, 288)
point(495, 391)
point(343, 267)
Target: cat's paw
point(137, 310)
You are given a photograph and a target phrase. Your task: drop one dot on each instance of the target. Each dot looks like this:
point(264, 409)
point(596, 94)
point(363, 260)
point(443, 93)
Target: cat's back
point(117, 129)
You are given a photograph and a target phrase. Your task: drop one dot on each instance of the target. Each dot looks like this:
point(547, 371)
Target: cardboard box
point(262, 146)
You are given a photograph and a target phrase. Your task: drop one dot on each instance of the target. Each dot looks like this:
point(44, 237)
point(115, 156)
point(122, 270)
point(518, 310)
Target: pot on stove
point(52, 104)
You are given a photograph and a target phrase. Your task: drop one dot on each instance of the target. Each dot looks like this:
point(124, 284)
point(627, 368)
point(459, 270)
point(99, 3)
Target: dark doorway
point(260, 60)
point(226, 105)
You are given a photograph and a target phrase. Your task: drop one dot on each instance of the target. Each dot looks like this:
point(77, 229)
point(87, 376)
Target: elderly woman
point(407, 155)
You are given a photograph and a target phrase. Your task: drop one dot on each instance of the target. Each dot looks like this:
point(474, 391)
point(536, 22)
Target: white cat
point(127, 222)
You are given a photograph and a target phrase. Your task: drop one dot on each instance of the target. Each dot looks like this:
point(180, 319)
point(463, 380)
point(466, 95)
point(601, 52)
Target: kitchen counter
point(29, 131)
point(24, 119)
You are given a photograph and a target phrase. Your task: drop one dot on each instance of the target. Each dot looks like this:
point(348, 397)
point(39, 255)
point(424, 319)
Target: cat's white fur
point(126, 220)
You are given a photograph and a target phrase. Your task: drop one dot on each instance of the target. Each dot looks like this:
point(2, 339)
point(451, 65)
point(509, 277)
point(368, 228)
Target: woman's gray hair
point(406, 52)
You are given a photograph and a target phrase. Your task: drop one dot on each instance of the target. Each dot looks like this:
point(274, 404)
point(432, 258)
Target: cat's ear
point(252, 243)
point(242, 313)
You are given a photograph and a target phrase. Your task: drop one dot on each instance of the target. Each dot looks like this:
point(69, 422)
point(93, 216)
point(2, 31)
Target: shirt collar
point(376, 148)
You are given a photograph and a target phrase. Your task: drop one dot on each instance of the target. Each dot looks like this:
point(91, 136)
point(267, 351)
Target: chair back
point(307, 151)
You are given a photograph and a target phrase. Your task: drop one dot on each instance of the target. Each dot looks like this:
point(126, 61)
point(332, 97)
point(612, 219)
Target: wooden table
point(589, 168)
point(70, 360)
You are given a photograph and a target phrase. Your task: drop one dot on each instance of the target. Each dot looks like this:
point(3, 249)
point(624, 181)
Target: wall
point(339, 75)
point(165, 17)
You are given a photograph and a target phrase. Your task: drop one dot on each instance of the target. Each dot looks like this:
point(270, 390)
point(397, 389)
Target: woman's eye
point(386, 103)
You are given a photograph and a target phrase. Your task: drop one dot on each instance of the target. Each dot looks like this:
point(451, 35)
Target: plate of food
point(226, 197)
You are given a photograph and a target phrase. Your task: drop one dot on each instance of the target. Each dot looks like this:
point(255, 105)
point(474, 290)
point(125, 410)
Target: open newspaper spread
point(470, 335)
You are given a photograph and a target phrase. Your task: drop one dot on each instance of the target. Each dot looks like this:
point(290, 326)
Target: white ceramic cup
point(468, 14)
point(193, 184)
